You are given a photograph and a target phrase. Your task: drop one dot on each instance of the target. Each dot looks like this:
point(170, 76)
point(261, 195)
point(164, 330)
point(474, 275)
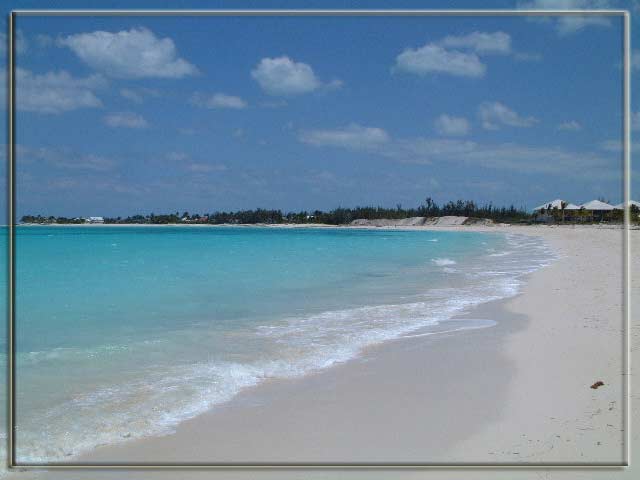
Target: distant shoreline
point(488, 227)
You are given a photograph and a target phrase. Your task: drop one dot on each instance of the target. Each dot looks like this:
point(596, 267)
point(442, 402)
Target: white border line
point(390, 13)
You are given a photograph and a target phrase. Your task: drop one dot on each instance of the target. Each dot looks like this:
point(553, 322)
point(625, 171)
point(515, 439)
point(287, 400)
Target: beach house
point(597, 209)
point(94, 220)
point(546, 213)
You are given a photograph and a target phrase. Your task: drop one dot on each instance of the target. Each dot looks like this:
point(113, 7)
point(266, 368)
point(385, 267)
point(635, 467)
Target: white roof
point(552, 204)
point(572, 206)
point(620, 206)
point(597, 205)
point(96, 218)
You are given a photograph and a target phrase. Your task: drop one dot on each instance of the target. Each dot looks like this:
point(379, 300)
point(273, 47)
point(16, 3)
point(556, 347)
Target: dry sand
point(518, 392)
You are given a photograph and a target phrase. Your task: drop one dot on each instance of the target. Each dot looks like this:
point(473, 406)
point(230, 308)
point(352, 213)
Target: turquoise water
point(123, 332)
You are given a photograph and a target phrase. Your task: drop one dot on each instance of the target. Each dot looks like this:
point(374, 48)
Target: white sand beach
point(515, 393)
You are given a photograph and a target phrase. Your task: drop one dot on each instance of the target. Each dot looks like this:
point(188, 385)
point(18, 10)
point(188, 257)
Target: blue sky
point(118, 115)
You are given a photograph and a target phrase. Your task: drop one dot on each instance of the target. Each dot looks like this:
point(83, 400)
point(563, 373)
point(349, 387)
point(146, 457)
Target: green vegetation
point(338, 216)
point(41, 219)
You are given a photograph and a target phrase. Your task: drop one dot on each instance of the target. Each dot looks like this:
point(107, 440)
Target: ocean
point(124, 332)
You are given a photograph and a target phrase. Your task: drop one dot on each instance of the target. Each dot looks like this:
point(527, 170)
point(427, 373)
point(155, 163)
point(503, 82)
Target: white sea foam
point(441, 262)
point(501, 254)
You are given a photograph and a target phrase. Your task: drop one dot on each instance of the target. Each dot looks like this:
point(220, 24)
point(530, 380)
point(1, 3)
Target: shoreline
point(270, 397)
point(439, 227)
point(393, 359)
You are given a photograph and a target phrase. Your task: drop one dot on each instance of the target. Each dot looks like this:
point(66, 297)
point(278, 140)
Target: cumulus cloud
point(283, 76)
point(569, 24)
point(125, 120)
point(571, 126)
point(353, 136)
point(218, 100)
point(56, 92)
point(436, 59)
point(458, 54)
point(481, 42)
point(493, 115)
point(135, 53)
point(453, 126)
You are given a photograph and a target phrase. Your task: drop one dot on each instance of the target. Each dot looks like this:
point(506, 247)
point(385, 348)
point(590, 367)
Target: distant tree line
point(50, 219)
point(337, 216)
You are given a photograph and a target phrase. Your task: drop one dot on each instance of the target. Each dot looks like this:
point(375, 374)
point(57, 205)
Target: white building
point(550, 205)
point(94, 220)
point(597, 206)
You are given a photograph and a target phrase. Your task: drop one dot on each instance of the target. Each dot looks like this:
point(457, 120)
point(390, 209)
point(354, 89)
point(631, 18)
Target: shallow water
point(123, 332)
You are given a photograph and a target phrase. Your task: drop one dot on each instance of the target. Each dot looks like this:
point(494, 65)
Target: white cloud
point(135, 53)
point(56, 92)
point(65, 158)
point(521, 158)
point(450, 125)
point(283, 76)
point(132, 95)
point(334, 84)
point(125, 120)
point(138, 95)
point(435, 59)
point(495, 114)
point(353, 136)
point(218, 100)
point(570, 126)
point(568, 24)
point(481, 42)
